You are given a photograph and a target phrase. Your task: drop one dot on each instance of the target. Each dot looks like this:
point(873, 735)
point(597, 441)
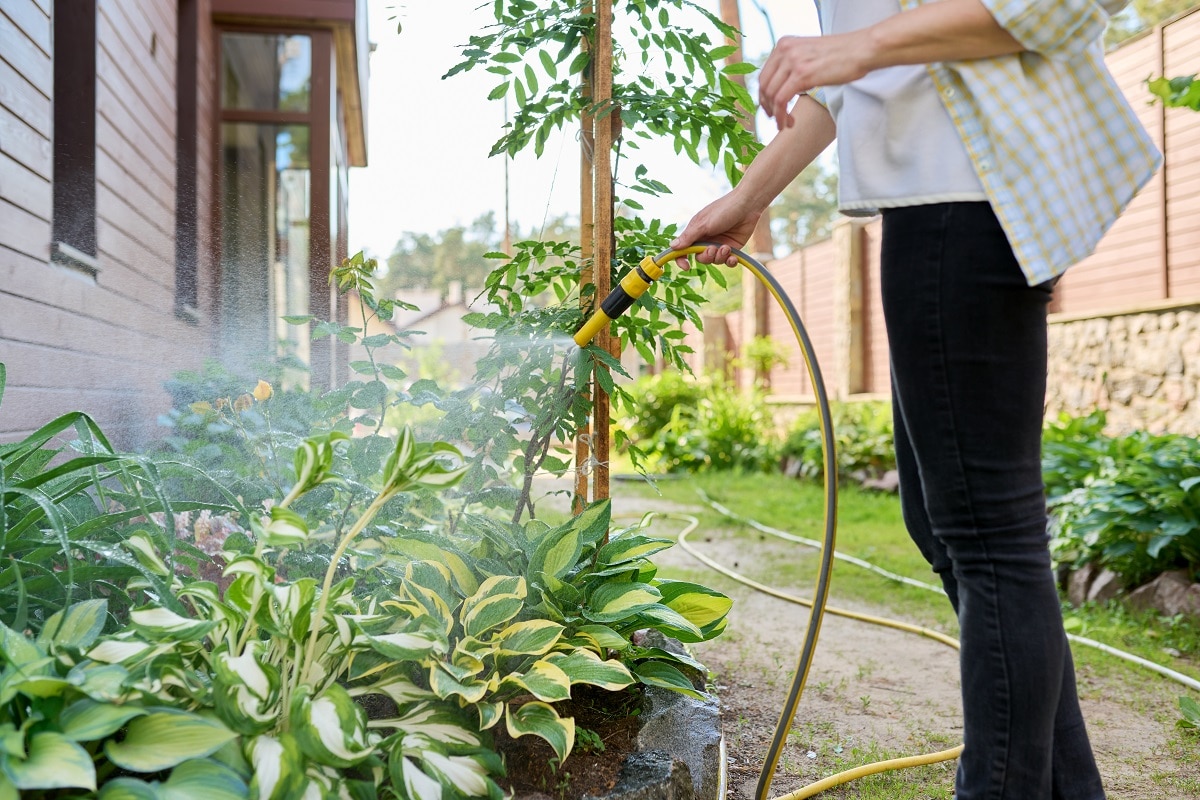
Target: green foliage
point(1140, 15)
point(805, 210)
point(1183, 92)
point(685, 425)
point(863, 435)
point(1130, 503)
point(71, 512)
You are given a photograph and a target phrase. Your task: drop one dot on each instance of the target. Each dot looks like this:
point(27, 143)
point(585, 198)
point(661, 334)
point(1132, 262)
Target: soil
point(606, 729)
point(875, 692)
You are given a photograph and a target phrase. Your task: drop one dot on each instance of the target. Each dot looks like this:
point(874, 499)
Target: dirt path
point(875, 692)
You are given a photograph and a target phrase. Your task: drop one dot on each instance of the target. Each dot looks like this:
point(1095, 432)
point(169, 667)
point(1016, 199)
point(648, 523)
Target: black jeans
point(968, 347)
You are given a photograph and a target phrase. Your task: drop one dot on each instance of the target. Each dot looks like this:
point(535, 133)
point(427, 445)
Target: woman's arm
point(731, 219)
point(951, 30)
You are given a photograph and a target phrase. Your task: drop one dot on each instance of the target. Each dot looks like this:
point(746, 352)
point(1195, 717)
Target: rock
point(887, 482)
point(1169, 594)
point(653, 775)
point(689, 730)
point(1079, 583)
point(1105, 587)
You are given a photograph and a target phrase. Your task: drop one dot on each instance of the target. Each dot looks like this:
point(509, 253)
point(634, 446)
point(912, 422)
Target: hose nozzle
point(623, 295)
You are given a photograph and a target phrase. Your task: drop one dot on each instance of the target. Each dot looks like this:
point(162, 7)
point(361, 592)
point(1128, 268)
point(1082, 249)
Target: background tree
point(806, 209)
point(433, 261)
point(1142, 14)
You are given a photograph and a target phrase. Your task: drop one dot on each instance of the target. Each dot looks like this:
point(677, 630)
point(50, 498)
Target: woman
point(998, 149)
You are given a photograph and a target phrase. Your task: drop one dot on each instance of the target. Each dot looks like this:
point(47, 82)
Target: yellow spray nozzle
point(624, 294)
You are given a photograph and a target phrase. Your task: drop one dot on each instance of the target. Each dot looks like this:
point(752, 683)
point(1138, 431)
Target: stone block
point(1105, 587)
point(687, 729)
point(1079, 583)
point(653, 775)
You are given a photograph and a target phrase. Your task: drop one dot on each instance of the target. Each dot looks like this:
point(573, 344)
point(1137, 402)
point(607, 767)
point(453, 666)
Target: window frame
point(319, 119)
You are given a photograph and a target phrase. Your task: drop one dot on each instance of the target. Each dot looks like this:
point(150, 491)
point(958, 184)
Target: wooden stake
point(583, 451)
point(602, 231)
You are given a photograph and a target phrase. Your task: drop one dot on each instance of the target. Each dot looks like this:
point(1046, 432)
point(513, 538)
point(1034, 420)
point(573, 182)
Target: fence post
point(849, 336)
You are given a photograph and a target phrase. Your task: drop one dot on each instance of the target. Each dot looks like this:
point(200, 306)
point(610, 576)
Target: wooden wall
point(103, 345)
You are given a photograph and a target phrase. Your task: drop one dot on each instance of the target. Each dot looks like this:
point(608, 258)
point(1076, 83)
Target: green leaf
point(54, 762)
point(278, 767)
point(602, 637)
point(444, 684)
point(1190, 711)
point(498, 600)
point(739, 68)
point(331, 728)
point(163, 739)
point(204, 780)
point(530, 638)
point(160, 623)
point(544, 680)
point(627, 548)
point(656, 673)
point(76, 627)
point(128, 789)
point(540, 719)
point(698, 604)
point(618, 601)
point(584, 666)
point(87, 720)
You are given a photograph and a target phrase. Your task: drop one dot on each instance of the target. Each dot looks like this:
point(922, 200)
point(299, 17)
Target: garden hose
point(630, 288)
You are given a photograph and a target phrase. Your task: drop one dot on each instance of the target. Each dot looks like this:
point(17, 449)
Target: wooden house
point(173, 180)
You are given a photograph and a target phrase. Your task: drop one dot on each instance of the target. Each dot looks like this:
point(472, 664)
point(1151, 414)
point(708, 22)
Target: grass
point(870, 527)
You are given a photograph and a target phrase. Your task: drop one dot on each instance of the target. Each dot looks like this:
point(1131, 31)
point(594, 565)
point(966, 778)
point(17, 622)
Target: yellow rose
point(262, 391)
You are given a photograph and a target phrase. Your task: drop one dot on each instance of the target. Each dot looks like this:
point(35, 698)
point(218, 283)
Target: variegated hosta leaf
point(420, 550)
point(544, 680)
point(203, 780)
point(489, 714)
point(104, 683)
point(331, 728)
point(656, 673)
point(430, 604)
point(533, 637)
point(246, 690)
point(286, 528)
point(415, 646)
point(313, 462)
point(325, 783)
point(623, 549)
point(432, 575)
point(448, 681)
point(143, 549)
point(700, 605)
point(156, 622)
point(417, 785)
point(436, 723)
point(122, 649)
point(669, 622)
point(401, 690)
point(87, 720)
point(76, 627)
point(463, 773)
point(52, 762)
point(278, 767)
point(599, 638)
point(499, 599)
point(540, 719)
point(614, 602)
point(162, 739)
point(584, 666)
point(472, 654)
point(289, 607)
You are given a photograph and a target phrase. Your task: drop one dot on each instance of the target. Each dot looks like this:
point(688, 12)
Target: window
point(187, 130)
point(273, 194)
point(74, 209)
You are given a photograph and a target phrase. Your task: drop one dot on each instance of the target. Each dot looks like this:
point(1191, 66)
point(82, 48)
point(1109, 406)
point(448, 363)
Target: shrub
point(863, 436)
point(685, 424)
point(1129, 503)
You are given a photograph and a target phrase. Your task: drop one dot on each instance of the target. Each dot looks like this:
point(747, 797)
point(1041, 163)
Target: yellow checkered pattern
point(1055, 143)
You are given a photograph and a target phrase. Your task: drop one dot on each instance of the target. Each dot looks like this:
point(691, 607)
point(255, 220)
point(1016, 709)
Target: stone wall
point(1142, 367)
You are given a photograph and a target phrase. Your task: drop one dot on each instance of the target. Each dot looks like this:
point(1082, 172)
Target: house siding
point(118, 334)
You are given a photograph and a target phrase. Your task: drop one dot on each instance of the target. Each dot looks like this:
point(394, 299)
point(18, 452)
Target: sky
point(428, 139)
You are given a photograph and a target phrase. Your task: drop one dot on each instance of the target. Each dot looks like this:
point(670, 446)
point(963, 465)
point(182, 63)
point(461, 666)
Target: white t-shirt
point(896, 143)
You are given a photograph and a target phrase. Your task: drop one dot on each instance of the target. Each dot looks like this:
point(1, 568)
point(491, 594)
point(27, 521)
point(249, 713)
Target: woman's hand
point(799, 64)
point(728, 221)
